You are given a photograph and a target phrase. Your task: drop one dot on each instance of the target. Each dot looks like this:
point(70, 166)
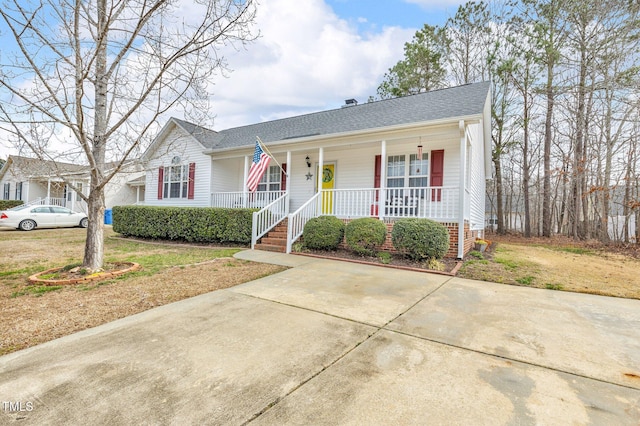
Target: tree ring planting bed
point(61, 276)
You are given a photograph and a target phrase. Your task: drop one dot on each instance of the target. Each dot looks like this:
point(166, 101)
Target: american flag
point(258, 167)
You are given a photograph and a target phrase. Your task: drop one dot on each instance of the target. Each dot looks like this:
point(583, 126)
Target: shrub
point(323, 233)
point(365, 235)
point(9, 204)
point(420, 239)
point(193, 224)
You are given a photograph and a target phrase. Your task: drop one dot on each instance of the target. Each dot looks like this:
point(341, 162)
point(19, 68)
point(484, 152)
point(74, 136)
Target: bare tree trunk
point(546, 190)
point(526, 173)
point(499, 195)
point(94, 251)
point(579, 223)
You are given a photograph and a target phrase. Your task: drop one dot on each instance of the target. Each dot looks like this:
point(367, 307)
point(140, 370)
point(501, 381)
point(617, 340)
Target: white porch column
point(383, 179)
point(137, 194)
point(48, 190)
point(320, 167)
point(288, 177)
point(319, 177)
point(461, 182)
point(245, 190)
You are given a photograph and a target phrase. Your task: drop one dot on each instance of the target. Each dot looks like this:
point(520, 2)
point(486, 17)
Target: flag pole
point(271, 155)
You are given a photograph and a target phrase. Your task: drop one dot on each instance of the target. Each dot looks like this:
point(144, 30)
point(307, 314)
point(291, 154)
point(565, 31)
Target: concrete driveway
point(337, 343)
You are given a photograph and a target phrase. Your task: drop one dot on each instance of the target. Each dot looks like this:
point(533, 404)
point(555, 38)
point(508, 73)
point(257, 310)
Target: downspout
point(462, 180)
point(383, 179)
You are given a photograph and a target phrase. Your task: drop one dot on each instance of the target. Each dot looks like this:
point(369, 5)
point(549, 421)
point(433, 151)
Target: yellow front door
point(328, 183)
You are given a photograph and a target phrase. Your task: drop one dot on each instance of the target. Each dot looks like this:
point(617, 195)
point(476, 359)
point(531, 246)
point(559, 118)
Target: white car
point(42, 216)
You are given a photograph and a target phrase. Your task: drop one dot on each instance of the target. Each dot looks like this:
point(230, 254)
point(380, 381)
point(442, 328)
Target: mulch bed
point(451, 266)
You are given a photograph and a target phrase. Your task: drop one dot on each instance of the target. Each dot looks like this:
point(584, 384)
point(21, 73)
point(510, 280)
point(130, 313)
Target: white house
point(425, 155)
point(37, 181)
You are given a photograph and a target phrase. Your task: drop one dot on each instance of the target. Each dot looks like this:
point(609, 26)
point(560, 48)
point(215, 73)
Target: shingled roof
point(35, 167)
point(459, 101)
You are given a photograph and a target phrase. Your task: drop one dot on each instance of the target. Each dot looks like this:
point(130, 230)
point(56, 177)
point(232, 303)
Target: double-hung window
point(271, 180)
point(176, 181)
point(6, 191)
point(411, 174)
point(19, 191)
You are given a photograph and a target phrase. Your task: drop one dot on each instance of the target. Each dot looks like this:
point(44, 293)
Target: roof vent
point(349, 102)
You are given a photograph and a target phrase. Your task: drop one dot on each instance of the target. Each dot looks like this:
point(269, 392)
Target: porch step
point(268, 247)
point(275, 240)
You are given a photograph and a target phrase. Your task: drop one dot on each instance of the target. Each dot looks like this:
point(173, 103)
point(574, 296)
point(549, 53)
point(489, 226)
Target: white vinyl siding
point(477, 183)
point(178, 143)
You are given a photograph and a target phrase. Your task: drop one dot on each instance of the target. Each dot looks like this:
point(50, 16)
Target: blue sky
point(401, 13)
point(311, 56)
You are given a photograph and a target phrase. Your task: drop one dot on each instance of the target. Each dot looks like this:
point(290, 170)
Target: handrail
point(268, 217)
point(300, 217)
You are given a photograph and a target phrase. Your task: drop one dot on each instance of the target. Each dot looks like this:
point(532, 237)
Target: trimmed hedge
point(323, 233)
point(193, 224)
point(365, 235)
point(9, 204)
point(420, 239)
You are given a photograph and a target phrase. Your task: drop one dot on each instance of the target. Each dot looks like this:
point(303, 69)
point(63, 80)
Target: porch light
point(308, 160)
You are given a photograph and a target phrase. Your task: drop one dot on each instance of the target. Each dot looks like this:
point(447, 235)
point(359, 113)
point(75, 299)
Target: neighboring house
point(37, 181)
point(425, 155)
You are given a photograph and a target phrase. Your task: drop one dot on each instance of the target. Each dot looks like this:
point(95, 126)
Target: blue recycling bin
point(108, 217)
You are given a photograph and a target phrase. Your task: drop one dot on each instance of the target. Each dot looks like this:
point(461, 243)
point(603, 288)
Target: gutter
point(378, 131)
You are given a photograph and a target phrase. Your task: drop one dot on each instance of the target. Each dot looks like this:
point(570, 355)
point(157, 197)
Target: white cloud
point(307, 59)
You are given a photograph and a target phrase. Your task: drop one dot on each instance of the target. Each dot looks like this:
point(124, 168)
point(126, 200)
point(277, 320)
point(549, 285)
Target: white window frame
point(19, 191)
point(271, 180)
point(408, 173)
point(6, 193)
point(175, 177)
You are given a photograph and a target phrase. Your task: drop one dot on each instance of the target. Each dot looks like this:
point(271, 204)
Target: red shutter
point(436, 174)
point(191, 184)
point(160, 182)
point(283, 178)
point(377, 173)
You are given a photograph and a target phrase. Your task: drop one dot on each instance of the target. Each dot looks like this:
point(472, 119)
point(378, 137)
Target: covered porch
point(54, 191)
point(425, 173)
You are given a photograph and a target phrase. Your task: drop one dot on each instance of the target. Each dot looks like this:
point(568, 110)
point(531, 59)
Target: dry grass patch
point(30, 315)
point(558, 267)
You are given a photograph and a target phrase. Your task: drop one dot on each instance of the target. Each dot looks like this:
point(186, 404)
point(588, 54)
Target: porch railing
point(439, 203)
point(300, 217)
point(234, 200)
point(268, 217)
point(43, 201)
